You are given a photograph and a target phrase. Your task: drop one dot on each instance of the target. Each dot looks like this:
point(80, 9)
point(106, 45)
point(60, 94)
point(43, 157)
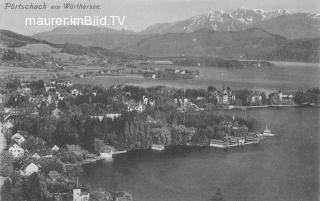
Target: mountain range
point(241, 34)
point(283, 22)
point(218, 21)
point(286, 23)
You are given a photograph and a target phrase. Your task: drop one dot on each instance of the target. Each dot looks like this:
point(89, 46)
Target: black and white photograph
point(159, 100)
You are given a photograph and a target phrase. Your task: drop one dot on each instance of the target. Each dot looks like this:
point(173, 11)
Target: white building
point(145, 100)
point(26, 91)
point(2, 98)
point(225, 99)
point(113, 115)
point(256, 98)
point(288, 97)
point(79, 196)
point(16, 151)
point(30, 169)
point(36, 156)
point(8, 125)
point(97, 117)
point(55, 148)
point(75, 92)
point(280, 96)
point(8, 110)
point(140, 107)
point(18, 138)
point(48, 88)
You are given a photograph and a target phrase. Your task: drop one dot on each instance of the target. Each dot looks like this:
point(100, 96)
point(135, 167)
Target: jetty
point(231, 141)
point(158, 147)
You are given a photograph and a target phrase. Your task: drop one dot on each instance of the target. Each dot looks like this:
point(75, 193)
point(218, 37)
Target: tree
point(181, 135)
point(48, 165)
point(33, 144)
point(57, 182)
point(34, 189)
point(161, 135)
point(98, 145)
point(17, 187)
point(6, 190)
point(264, 98)
point(11, 54)
point(217, 196)
point(65, 134)
point(211, 88)
point(123, 196)
point(221, 134)
point(6, 160)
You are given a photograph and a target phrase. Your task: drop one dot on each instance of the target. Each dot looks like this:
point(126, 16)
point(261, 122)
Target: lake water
point(290, 76)
point(281, 168)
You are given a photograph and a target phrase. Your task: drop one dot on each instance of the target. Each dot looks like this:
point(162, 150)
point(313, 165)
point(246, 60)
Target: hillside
point(83, 30)
point(253, 43)
point(91, 36)
point(110, 40)
point(29, 45)
point(300, 25)
point(11, 39)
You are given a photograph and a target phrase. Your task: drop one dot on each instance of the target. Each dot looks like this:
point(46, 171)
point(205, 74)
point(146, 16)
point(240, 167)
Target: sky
point(141, 13)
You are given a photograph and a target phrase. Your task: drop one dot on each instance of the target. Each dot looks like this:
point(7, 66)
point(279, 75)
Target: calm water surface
point(282, 168)
point(288, 76)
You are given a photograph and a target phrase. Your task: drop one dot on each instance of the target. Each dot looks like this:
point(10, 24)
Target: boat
point(157, 147)
point(266, 133)
point(106, 152)
point(119, 152)
point(106, 155)
point(218, 143)
point(109, 155)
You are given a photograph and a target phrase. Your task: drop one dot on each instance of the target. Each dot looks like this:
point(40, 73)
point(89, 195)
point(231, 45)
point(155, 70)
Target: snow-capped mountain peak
point(244, 18)
point(220, 20)
point(250, 16)
point(314, 16)
point(213, 20)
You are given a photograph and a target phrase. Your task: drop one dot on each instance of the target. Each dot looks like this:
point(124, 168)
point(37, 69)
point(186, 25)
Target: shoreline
point(234, 107)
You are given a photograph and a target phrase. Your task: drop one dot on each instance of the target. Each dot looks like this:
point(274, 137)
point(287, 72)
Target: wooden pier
point(230, 141)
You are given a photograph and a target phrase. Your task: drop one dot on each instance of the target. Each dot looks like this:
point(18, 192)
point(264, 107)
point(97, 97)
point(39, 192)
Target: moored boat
point(266, 133)
point(106, 155)
point(157, 147)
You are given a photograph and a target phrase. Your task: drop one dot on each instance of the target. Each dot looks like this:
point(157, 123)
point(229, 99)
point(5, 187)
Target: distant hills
point(83, 30)
point(9, 39)
point(91, 36)
point(253, 43)
point(295, 26)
